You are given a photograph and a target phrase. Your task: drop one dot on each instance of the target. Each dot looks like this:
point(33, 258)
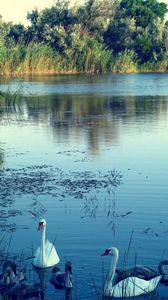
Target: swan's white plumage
point(130, 286)
point(46, 254)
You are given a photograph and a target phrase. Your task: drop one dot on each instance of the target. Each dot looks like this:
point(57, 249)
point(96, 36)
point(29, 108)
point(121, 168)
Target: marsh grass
point(38, 58)
point(86, 56)
point(125, 62)
point(89, 56)
point(152, 66)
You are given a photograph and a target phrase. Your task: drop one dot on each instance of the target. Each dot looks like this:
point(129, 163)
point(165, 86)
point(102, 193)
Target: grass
point(87, 55)
point(84, 55)
point(125, 62)
point(151, 66)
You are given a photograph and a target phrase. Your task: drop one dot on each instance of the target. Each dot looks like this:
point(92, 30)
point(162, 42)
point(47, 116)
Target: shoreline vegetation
point(119, 36)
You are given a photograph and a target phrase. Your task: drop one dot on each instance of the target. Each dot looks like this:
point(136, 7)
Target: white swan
point(132, 282)
point(46, 255)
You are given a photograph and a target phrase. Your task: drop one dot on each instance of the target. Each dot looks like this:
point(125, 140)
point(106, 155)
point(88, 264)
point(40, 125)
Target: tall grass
point(84, 55)
point(125, 62)
point(38, 58)
point(153, 66)
point(88, 56)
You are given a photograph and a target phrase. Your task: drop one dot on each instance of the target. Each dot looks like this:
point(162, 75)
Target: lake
point(88, 154)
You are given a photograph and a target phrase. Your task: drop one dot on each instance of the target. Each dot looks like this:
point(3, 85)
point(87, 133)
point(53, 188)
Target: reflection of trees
point(95, 118)
point(1, 158)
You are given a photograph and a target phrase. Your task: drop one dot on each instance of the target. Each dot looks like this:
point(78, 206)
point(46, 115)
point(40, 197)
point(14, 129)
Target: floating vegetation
point(38, 180)
point(47, 180)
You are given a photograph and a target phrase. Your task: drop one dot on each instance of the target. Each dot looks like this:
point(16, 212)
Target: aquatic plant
point(125, 62)
point(154, 66)
point(38, 58)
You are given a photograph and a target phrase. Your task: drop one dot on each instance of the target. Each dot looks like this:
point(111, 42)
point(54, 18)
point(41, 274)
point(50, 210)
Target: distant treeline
point(96, 37)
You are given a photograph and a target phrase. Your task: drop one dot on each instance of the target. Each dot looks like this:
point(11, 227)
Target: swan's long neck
point(42, 247)
point(108, 288)
point(68, 280)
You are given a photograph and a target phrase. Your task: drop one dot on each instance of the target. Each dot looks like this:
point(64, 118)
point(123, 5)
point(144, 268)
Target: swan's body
point(46, 255)
point(132, 282)
point(60, 279)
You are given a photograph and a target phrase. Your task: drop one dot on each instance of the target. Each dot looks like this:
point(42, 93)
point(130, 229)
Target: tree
point(144, 11)
point(120, 34)
point(16, 33)
point(138, 25)
point(51, 26)
point(94, 16)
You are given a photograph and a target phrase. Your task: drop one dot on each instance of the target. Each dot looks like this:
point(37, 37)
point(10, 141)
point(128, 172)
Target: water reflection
point(45, 139)
point(97, 119)
point(1, 158)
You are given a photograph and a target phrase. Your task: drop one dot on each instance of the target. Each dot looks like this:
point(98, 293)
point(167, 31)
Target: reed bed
point(86, 56)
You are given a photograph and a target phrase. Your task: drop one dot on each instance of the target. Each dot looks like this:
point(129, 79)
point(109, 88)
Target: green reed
point(125, 62)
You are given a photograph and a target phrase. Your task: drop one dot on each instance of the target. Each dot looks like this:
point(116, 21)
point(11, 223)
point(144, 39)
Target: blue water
point(91, 124)
point(155, 84)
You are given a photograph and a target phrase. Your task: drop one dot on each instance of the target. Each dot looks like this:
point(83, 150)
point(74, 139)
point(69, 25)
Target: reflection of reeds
point(90, 206)
point(111, 209)
point(11, 100)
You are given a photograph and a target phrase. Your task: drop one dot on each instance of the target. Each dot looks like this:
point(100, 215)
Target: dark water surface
point(88, 153)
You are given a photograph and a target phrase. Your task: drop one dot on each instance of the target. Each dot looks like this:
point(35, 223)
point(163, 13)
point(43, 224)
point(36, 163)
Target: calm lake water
point(89, 154)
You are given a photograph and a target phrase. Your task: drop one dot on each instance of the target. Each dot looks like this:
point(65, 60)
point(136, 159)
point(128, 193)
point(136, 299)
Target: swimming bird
point(46, 254)
point(11, 276)
point(60, 279)
point(132, 282)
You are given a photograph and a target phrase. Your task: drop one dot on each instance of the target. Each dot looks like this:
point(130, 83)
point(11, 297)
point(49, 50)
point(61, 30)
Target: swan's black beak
point(40, 226)
point(105, 253)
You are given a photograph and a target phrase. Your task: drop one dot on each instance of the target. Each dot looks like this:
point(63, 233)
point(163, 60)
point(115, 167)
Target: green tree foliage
point(144, 11)
point(94, 16)
point(97, 36)
point(121, 33)
point(138, 25)
point(15, 35)
point(51, 25)
point(4, 29)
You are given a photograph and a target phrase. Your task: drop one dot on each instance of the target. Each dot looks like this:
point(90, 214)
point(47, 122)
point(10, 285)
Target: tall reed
point(154, 66)
point(85, 56)
point(39, 58)
point(125, 62)
point(88, 56)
